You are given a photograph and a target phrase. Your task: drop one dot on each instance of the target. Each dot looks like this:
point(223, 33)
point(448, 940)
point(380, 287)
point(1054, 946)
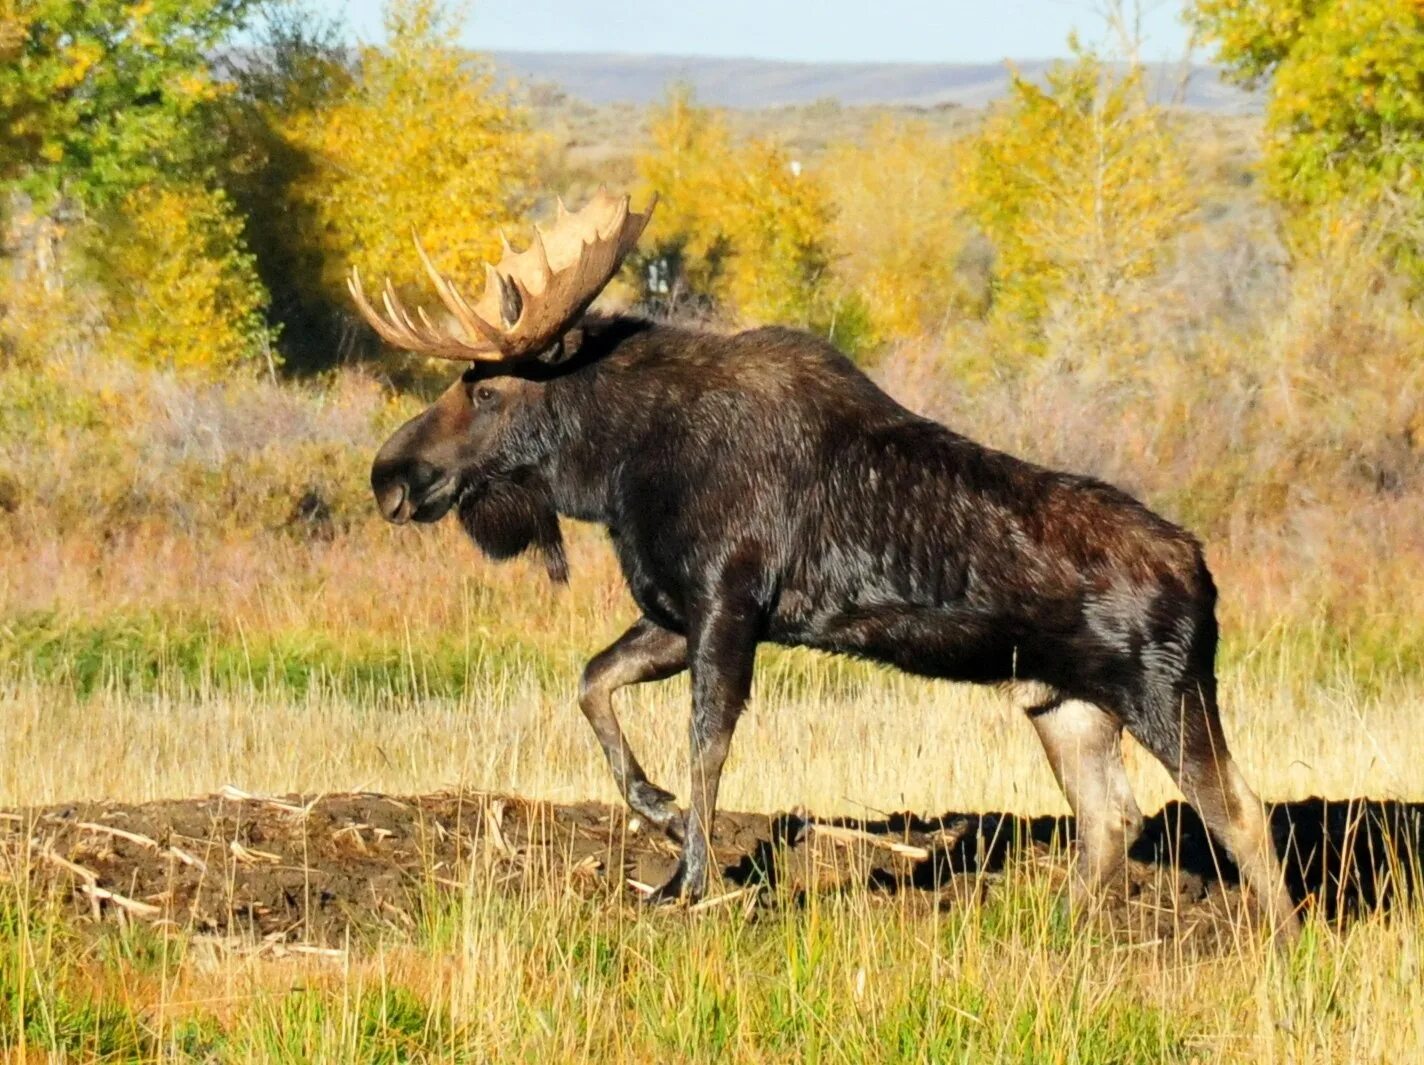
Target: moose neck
point(596, 416)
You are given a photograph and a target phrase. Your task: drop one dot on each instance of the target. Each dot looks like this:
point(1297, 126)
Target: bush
point(182, 292)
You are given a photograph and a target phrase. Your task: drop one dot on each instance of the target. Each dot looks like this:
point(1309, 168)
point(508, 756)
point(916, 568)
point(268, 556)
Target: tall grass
point(548, 975)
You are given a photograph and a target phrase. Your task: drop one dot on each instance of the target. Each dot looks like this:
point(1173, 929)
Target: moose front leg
point(646, 652)
point(722, 650)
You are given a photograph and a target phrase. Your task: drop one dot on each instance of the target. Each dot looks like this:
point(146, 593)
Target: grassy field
point(546, 973)
point(279, 660)
point(194, 593)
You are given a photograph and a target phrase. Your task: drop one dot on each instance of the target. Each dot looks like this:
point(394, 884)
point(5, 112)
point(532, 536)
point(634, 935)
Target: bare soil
point(312, 872)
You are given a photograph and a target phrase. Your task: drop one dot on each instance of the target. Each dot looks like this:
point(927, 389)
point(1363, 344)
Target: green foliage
point(1345, 121)
point(1080, 189)
point(99, 97)
point(154, 653)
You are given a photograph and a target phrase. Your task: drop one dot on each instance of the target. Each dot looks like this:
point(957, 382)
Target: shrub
point(182, 292)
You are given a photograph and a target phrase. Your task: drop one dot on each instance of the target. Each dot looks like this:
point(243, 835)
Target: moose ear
point(566, 348)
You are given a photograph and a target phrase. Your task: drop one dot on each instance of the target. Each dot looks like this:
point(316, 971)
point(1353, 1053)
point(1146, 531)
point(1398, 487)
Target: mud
point(353, 869)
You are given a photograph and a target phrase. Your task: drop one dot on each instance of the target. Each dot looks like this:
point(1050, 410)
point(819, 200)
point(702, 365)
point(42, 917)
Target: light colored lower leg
point(1084, 747)
point(1232, 811)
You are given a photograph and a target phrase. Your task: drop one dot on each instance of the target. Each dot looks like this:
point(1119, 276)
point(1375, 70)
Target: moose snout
point(412, 490)
point(397, 485)
point(393, 501)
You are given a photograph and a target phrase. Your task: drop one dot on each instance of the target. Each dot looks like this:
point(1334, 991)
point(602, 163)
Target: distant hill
point(605, 78)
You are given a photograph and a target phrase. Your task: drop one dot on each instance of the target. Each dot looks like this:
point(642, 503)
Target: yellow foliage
point(778, 221)
point(690, 149)
point(1079, 188)
point(181, 291)
point(746, 225)
point(898, 230)
point(40, 319)
point(419, 142)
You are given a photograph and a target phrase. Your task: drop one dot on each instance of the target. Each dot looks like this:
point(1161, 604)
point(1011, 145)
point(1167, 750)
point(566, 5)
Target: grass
point(360, 663)
point(346, 690)
point(550, 976)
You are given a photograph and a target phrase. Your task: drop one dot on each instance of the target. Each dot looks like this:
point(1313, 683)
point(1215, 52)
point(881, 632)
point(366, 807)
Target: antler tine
point(541, 258)
point(449, 295)
point(396, 312)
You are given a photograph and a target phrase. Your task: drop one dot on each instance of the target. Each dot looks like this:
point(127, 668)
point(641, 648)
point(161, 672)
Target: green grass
point(546, 977)
point(140, 652)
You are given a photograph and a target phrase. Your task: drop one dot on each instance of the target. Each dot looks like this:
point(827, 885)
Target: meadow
point(196, 594)
point(225, 683)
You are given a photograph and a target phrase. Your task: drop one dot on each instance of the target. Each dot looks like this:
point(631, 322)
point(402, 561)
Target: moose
point(758, 487)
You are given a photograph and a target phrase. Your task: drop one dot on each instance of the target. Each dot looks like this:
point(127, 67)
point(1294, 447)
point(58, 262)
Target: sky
point(930, 31)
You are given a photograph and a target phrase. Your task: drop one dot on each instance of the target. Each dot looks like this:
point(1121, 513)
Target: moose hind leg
point(1193, 750)
point(646, 652)
point(1084, 747)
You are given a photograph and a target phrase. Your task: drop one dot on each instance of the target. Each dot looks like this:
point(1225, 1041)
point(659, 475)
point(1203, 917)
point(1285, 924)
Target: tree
point(181, 292)
point(690, 147)
point(107, 109)
point(417, 139)
point(747, 225)
point(899, 233)
point(1345, 118)
point(1079, 188)
point(99, 97)
point(778, 223)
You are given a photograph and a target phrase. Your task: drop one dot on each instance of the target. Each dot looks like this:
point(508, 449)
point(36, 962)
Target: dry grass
point(840, 739)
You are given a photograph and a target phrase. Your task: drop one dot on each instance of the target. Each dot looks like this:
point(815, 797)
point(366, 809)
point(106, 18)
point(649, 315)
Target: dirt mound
point(333, 868)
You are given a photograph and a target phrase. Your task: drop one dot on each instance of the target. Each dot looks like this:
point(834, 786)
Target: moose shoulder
point(759, 487)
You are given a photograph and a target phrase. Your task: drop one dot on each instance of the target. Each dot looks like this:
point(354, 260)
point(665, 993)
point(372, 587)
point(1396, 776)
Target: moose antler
point(530, 297)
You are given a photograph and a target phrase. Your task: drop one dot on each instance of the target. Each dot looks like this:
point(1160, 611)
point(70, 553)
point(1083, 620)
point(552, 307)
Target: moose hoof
point(658, 807)
point(679, 889)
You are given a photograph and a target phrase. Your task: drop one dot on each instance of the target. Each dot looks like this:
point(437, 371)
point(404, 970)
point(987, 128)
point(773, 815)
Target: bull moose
point(758, 488)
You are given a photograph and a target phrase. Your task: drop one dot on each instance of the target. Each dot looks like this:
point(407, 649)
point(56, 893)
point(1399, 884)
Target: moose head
point(482, 446)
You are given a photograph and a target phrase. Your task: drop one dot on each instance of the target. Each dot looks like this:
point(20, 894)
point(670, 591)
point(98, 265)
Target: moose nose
point(393, 501)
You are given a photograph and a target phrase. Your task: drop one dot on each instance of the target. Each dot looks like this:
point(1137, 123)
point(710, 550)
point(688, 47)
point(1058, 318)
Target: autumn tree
point(181, 291)
point(747, 225)
point(898, 231)
point(106, 111)
point(689, 147)
point(1345, 117)
point(416, 139)
point(1079, 187)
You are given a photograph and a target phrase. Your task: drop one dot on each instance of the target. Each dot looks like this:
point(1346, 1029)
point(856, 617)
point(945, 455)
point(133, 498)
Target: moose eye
point(484, 395)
